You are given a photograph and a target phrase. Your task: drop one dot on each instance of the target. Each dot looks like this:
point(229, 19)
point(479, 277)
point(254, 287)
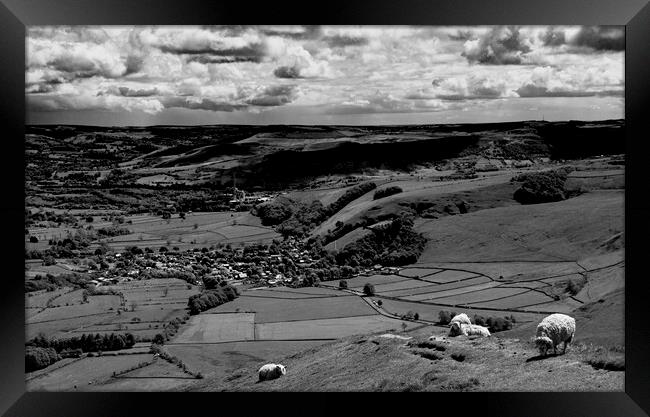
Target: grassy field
point(83, 372)
point(434, 291)
point(359, 282)
point(199, 228)
point(562, 231)
point(218, 359)
point(145, 311)
point(413, 190)
point(430, 311)
point(216, 328)
point(327, 328)
point(372, 363)
point(290, 309)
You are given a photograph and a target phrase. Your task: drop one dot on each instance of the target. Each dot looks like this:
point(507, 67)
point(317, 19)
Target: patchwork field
point(430, 311)
point(327, 328)
point(359, 282)
point(143, 307)
point(217, 328)
point(202, 229)
point(289, 310)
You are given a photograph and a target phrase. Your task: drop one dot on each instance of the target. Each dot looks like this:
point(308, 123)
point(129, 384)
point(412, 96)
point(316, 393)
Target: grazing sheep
point(458, 328)
point(553, 330)
point(271, 371)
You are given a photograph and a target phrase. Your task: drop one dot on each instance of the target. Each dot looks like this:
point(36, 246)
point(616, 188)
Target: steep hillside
point(375, 363)
point(561, 231)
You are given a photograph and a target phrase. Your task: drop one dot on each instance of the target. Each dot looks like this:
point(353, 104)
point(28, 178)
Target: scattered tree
point(369, 289)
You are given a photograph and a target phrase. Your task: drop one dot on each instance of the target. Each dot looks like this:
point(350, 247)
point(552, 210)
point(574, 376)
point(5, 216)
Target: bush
point(33, 239)
point(495, 324)
point(349, 196)
point(392, 244)
point(71, 353)
point(574, 286)
point(444, 317)
point(369, 289)
point(541, 187)
point(39, 357)
point(385, 192)
point(480, 320)
point(410, 316)
point(498, 324)
point(86, 342)
point(276, 211)
point(211, 298)
point(343, 284)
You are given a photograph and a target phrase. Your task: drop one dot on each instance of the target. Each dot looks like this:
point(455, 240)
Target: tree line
point(294, 218)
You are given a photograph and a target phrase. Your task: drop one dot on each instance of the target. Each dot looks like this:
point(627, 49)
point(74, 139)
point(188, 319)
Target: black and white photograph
point(325, 208)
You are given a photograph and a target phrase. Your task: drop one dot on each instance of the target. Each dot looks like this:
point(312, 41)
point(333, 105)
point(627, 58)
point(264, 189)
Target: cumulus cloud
point(276, 95)
point(595, 38)
point(129, 92)
point(500, 46)
point(601, 38)
point(202, 104)
point(532, 90)
point(570, 82)
point(471, 87)
point(384, 102)
point(306, 32)
point(553, 37)
point(46, 103)
point(304, 65)
point(341, 41)
point(461, 35)
point(337, 69)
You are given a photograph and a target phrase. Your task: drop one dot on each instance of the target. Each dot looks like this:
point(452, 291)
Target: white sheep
point(461, 318)
point(458, 328)
point(553, 330)
point(271, 371)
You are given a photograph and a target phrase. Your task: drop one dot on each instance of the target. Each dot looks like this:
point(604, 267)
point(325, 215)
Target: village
point(282, 263)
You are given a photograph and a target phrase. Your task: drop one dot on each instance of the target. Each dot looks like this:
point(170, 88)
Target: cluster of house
point(255, 266)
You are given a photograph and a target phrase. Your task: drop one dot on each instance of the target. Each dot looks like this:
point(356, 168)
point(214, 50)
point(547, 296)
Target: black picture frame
point(15, 15)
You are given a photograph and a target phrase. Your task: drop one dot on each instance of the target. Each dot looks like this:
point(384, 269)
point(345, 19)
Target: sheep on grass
point(458, 328)
point(459, 319)
point(553, 330)
point(271, 371)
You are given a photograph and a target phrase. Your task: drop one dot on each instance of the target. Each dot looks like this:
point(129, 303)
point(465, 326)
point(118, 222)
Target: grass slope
point(371, 363)
point(561, 231)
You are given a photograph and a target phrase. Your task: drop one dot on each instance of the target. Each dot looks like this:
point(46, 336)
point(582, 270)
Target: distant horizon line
point(314, 125)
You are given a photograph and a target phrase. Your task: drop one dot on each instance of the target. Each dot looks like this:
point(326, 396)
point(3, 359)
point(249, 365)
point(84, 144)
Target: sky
point(353, 75)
